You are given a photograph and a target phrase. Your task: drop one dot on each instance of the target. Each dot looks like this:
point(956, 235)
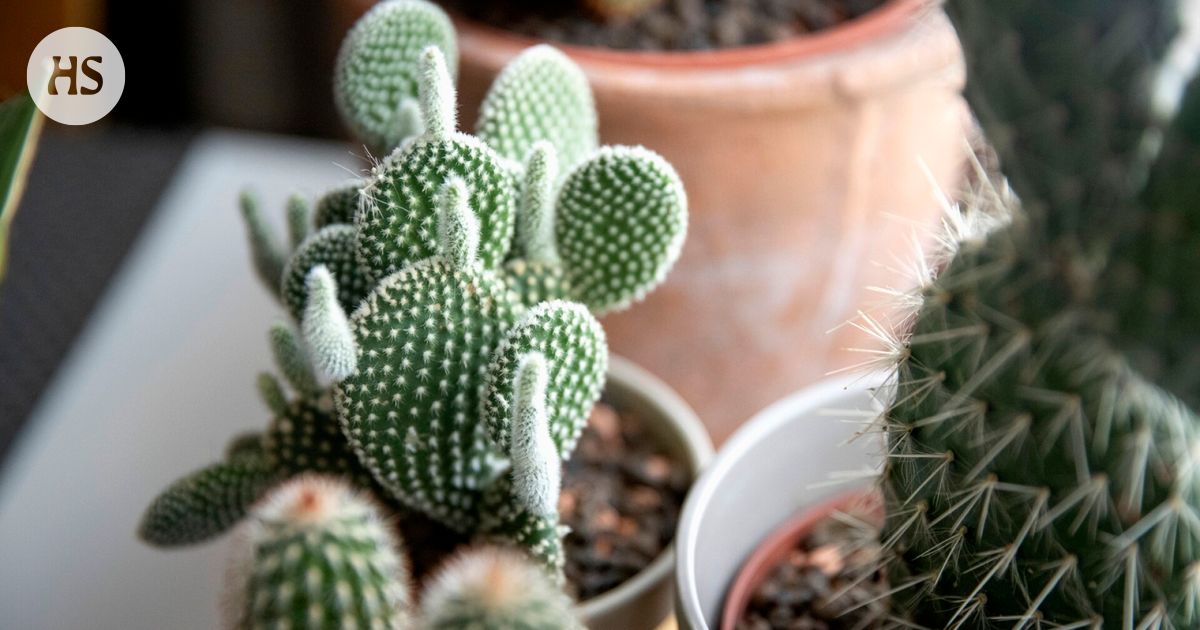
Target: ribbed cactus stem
point(299, 219)
point(292, 360)
point(271, 393)
point(265, 249)
point(326, 328)
point(438, 99)
point(535, 461)
point(458, 229)
point(535, 217)
point(319, 557)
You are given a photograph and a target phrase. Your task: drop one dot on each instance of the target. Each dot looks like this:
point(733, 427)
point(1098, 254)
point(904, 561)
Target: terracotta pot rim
point(768, 554)
point(884, 20)
point(679, 421)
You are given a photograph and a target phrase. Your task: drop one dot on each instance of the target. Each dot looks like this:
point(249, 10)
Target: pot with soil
point(803, 141)
point(443, 366)
point(778, 468)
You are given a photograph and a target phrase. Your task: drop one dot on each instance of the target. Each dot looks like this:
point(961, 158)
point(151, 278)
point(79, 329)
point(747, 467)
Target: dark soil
point(621, 499)
point(825, 583)
point(672, 25)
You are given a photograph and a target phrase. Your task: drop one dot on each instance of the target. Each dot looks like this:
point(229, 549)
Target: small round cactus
point(319, 556)
point(376, 77)
point(495, 589)
point(338, 206)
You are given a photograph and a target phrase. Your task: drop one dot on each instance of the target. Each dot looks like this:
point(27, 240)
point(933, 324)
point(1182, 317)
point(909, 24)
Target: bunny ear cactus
point(338, 206)
point(377, 77)
point(318, 556)
point(541, 96)
point(1036, 476)
point(495, 590)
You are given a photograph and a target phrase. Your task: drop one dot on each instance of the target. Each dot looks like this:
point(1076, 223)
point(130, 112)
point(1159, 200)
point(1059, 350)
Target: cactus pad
point(377, 67)
point(338, 205)
point(334, 247)
point(207, 502)
point(622, 218)
point(540, 96)
point(424, 334)
point(573, 343)
point(399, 223)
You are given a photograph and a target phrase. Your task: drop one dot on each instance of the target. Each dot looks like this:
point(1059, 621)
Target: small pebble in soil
point(671, 25)
point(825, 583)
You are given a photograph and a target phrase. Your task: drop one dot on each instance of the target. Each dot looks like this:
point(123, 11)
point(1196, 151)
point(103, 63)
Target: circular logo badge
point(75, 75)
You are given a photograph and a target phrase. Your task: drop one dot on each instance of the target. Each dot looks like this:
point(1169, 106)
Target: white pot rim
point(760, 426)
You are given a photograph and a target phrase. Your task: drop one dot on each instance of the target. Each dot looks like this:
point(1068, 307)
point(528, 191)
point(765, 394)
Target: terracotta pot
point(645, 600)
point(779, 545)
point(803, 166)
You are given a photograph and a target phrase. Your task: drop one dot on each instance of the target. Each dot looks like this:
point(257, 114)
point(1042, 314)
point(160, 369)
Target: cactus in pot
point(316, 555)
point(424, 375)
point(1041, 463)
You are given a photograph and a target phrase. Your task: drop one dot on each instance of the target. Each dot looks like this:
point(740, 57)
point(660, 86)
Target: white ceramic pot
point(785, 459)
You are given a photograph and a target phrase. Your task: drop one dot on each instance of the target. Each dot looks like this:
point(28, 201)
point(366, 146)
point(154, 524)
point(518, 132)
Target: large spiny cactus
point(1037, 474)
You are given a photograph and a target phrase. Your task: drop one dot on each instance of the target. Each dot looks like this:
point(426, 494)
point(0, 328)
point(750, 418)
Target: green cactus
point(541, 96)
point(334, 247)
point(1036, 475)
point(398, 224)
point(318, 556)
point(207, 502)
point(339, 205)
point(614, 229)
point(450, 393)
point(423, 337)
point(376, 79)
point(495, 590)
point(574, 349)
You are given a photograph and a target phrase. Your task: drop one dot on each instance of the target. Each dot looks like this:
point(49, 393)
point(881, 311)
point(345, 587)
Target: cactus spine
point(1037, 476)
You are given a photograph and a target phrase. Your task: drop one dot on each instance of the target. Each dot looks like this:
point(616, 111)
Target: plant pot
point(803, 163)
point(644, 601)
point(776, 548)
point(776, 466)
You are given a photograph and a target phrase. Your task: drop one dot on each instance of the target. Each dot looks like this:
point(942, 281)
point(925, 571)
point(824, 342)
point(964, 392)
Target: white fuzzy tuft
point(326, 329)
point(458, 227)
point(438, 99)
point(536, 467)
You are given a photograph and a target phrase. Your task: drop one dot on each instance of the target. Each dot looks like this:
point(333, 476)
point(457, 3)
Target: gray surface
point(162, 376)
point(778, 463)
point(89, 193)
